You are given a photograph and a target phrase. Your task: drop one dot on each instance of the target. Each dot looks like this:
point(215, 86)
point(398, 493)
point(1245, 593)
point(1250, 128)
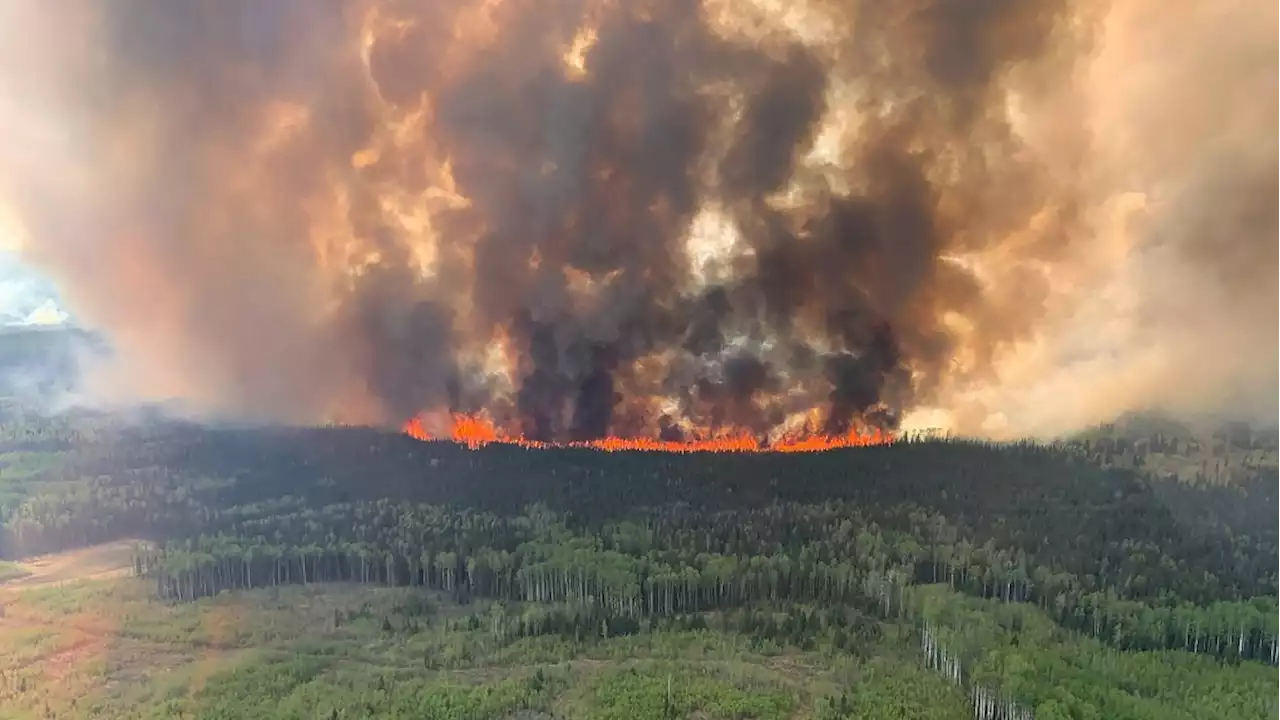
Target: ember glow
point(477, 432)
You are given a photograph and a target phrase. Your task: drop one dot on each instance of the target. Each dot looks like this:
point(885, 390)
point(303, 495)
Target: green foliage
point(894, 691)
point(302, 689)
point(11, 571)
point(658, 693)
point(1062, 674)
point(350, 573)
point(301, 665)
point(239, 693)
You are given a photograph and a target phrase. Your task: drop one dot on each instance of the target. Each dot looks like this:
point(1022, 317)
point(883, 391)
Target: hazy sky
point(26, 297)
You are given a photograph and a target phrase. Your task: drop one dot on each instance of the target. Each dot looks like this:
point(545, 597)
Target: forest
point(1110, 575)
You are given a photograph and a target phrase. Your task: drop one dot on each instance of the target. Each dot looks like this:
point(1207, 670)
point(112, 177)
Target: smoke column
point(653, 218)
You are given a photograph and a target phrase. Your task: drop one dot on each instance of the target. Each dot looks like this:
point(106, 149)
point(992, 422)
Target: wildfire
point(475, 432)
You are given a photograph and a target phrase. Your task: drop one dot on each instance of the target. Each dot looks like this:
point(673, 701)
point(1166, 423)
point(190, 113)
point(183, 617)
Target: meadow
point(107, 649)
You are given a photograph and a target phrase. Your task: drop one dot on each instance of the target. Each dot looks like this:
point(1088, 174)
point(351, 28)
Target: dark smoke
point(329, 210)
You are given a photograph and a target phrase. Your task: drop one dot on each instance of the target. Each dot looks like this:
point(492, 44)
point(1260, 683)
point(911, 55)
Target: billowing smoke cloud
point(1170, 302)
point(651, 218)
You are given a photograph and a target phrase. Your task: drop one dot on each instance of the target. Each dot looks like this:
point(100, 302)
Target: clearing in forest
point(99, 562)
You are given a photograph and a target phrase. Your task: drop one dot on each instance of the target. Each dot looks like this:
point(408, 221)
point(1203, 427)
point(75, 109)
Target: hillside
point(917, 579)
point(1204, 453)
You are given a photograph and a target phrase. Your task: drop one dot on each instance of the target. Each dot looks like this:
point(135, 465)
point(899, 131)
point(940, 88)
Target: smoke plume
point(653, 218)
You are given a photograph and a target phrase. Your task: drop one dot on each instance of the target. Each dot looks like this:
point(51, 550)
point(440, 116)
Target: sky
point(26, 297)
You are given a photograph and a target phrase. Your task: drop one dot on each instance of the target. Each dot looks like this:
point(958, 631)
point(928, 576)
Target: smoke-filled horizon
point(657, 218)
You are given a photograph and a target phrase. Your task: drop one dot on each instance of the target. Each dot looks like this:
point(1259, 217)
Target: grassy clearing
point(11, 571)
point(105, 649)
point(97, 562)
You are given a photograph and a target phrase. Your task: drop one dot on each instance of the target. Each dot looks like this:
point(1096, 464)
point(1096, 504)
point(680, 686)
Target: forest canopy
point(957, 553)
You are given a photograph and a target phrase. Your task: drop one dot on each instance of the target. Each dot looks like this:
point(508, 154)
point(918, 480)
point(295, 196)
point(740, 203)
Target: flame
point(477, 431)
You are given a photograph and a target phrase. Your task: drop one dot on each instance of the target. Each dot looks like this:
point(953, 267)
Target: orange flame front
point(475, 432)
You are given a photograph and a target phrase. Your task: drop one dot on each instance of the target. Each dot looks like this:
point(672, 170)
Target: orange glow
point(476, 431)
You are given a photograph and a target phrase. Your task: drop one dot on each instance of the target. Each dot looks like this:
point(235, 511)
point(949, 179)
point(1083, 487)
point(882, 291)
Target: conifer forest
point(361, 573)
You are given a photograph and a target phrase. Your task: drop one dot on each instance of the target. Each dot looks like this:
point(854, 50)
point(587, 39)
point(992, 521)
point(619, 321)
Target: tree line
point(676, 560)
point(161, 481)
